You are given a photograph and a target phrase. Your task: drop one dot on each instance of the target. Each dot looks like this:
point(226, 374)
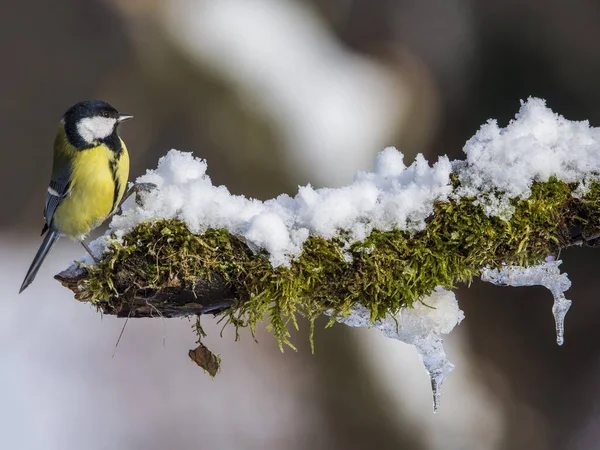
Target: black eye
point(105, 114)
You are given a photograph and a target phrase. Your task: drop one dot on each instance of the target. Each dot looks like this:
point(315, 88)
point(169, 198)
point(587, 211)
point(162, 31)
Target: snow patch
point(503, 163)
point(393, 196)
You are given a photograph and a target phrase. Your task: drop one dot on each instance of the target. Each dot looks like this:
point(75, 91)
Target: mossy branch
point(161, 269)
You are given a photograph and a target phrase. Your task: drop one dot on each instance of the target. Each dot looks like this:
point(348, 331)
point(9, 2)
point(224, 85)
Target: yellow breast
point(92, 195)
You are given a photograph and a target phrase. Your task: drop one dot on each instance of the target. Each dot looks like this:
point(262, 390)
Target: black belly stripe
point(113, 142)
point(114, 163)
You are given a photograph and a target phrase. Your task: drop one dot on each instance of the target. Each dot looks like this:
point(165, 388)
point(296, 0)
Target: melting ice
point(422, 326)
point(547, 275)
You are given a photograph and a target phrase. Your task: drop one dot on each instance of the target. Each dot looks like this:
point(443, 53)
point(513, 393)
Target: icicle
point(559, 309)
point(431, 351)
point(547, 275)
point(420, 326)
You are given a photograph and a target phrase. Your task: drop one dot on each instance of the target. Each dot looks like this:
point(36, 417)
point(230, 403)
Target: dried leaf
point(207, 360)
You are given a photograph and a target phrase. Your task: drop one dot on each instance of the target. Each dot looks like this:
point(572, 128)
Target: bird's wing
point(57, 190)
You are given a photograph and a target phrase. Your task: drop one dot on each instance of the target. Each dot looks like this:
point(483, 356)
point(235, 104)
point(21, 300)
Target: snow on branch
point(383, 251)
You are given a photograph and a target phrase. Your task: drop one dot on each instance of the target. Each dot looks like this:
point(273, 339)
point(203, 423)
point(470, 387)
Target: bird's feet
point(89, 250)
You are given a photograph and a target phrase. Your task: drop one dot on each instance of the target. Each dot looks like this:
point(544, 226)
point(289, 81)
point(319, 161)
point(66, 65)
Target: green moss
point(387, 271)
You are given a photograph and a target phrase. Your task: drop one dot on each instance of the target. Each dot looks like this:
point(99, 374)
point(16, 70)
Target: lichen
point(385, 272)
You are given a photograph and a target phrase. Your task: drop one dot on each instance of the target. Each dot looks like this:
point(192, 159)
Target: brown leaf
point(207, 360)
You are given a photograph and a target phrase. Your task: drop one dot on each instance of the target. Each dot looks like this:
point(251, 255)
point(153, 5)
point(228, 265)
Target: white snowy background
point(275, 94)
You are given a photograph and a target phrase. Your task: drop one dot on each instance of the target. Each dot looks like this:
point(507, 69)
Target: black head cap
point(90, 108)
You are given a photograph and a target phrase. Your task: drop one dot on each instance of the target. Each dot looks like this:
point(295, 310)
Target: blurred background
point(276, 93)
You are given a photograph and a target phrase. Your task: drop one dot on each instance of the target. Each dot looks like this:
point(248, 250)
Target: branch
point(378, 247)
point(163, 268)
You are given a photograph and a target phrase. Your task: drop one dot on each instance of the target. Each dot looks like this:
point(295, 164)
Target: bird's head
point(91, 121)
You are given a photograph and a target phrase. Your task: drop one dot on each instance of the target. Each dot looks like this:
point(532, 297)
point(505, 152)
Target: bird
point(89, 176)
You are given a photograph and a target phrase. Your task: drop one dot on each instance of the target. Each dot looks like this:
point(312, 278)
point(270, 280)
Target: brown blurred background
point(276, 93)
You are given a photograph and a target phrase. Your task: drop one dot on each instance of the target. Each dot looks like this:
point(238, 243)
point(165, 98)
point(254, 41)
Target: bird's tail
point(49, 241)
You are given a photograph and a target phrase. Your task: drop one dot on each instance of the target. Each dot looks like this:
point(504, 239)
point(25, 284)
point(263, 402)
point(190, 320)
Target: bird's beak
point(124, 117)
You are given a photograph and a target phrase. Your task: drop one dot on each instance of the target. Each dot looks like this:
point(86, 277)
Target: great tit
point(89, 176)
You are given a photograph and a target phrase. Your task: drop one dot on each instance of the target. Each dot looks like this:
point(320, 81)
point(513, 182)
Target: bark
point(207, 297)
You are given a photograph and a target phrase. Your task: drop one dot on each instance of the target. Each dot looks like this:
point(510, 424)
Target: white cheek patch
point(94, 128)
